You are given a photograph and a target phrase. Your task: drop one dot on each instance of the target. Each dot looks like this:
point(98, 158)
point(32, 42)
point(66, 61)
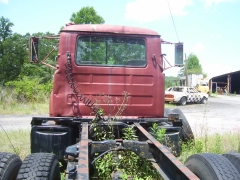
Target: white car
point(183, 95)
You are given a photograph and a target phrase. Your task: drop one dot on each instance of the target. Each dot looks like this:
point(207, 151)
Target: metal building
point(226, 83)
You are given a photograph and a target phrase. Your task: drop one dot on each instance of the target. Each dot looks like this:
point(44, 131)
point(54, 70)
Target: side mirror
point(179, 54)
point(33, 48)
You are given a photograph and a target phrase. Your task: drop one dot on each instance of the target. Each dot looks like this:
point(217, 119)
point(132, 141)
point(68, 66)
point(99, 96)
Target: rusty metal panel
point(109, 28)
point(171, 166)
point(83, 164)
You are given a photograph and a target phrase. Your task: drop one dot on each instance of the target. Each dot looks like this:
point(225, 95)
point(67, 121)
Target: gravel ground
point(221, 114)
point(16, 122)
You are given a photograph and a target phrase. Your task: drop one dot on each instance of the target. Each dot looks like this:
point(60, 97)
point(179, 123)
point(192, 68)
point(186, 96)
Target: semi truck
point(109, 80)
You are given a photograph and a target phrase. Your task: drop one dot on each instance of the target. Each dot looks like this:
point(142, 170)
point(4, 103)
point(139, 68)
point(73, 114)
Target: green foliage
point(87, 15)
point(14, 52)
point(5, 28)
point(171, 81)
point(193, 65)
point(127, 163)
point(129, 133)
point(217, 143)
point(157, 133)
point(105, 166)
point(104, 132)
point(30, 90)
point(217, 148)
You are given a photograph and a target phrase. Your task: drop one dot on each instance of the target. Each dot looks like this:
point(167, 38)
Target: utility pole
point(186, 66)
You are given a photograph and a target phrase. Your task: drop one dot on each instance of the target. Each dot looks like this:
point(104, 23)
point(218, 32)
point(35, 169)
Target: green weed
point(129, 133)
point(217, 143)
point(157, 133)
point(127, 164)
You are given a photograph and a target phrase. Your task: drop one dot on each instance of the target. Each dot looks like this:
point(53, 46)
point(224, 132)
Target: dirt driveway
point(221, 114)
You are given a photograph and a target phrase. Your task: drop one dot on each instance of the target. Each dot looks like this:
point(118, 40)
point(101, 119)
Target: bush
point(29, 90)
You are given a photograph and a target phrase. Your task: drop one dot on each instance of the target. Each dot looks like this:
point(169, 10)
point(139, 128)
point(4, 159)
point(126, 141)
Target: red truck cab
point(110, 60)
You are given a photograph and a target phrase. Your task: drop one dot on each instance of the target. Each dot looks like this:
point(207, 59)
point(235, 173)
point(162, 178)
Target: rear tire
point(167, 111)
point(9, 166)
point(183, 101)
point(212, 166)
point(40, 166)
point(234, 158)
point(187, 131)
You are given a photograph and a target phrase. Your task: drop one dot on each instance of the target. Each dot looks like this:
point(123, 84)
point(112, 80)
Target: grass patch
point(217, 143)
point(17, 142)
point(24, 108)
point(169, 105)
point(17, 101)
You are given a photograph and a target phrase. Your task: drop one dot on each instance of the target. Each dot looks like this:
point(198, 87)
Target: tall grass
point(216, 143)
point(17, 142)
point(13, 101)
point(24, 108)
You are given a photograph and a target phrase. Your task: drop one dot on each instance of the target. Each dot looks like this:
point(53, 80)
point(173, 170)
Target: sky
point(210, 29)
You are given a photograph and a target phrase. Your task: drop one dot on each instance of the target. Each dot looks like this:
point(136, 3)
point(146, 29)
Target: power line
point(173, 21)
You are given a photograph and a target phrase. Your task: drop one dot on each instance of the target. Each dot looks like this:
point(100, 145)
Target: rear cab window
point(111, 51)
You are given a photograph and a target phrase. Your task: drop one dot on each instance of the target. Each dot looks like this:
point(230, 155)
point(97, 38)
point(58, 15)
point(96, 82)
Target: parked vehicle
point(106, 61)
point(199, 82)
point(184, 94)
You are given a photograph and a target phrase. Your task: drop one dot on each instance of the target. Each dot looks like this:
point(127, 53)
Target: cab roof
point(103, 28)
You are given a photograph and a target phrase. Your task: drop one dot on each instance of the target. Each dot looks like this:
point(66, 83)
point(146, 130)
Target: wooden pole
point(186, 64)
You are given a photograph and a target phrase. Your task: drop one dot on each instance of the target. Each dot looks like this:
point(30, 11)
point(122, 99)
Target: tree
point(5, 28)
point(193, 65)
point(87, 15)
point(14, 53)
point(5, 33)
point(171, 81)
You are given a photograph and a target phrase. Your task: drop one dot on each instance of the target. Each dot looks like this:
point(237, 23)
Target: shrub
point(29, 90)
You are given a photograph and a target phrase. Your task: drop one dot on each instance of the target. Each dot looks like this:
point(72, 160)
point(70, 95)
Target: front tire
point(9, 165)
point(212, 166)
point(183, 101)
point(40, 166)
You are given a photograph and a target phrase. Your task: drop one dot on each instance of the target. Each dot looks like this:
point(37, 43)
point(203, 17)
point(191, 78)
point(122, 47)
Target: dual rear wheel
point(40, 166)
point(35, 166)
point(209, 166)
point(9, 165)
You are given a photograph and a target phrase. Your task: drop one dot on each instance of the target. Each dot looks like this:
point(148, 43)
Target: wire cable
point(173, 20)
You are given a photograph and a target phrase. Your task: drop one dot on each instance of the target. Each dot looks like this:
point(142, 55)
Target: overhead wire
point(173, 20)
